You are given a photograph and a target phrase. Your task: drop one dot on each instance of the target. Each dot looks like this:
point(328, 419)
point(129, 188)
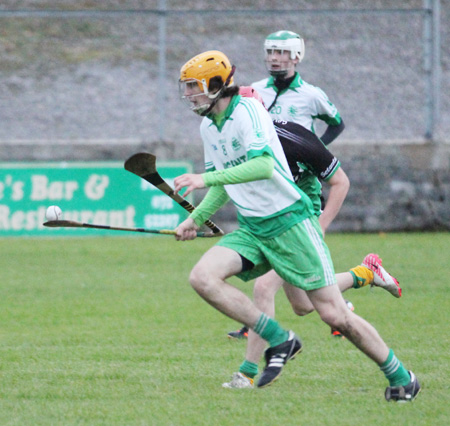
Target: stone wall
point(395, 187)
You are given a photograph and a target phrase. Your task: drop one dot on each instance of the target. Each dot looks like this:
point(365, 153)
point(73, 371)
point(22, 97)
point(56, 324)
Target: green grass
point(107, 331)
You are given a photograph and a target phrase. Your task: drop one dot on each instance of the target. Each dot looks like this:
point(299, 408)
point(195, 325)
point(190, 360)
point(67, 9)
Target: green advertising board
point(101, 193)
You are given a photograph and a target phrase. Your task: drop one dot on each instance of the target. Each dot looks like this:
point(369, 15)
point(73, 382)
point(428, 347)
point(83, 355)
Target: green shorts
point(299, 255)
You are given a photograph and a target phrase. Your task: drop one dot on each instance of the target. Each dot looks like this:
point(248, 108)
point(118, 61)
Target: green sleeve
point(213, 201)
point(257, 168)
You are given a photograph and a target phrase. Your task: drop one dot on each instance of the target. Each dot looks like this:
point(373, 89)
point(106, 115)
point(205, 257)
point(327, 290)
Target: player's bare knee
point(301, 310)
point(332, 318)
point(198, 279)
point(337, 319)
point(204, 281)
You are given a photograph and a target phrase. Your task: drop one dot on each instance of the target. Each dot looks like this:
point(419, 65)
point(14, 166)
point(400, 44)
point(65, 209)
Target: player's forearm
point(339, 186)
point(257, 168)
point(213, 201)
point(332, 133)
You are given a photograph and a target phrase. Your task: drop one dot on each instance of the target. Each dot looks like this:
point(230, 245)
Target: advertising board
point(102, 193)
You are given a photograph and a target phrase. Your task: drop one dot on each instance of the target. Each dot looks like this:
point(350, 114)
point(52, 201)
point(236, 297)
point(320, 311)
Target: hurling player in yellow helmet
point(204, 79)
point(278, 230)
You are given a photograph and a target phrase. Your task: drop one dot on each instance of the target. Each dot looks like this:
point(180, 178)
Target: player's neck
point(282, 83)
point(221, 106)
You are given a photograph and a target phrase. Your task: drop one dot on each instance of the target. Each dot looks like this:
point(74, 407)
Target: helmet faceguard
point(281, 42)
point(196, 100)
point(203, 79)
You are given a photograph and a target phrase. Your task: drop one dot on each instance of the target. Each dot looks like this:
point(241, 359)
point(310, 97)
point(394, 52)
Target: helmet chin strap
point(219, 94)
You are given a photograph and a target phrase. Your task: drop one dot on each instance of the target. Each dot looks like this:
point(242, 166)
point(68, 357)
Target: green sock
point(250, 369)
point(270, 330)
point(394, 371)
point(355, 280)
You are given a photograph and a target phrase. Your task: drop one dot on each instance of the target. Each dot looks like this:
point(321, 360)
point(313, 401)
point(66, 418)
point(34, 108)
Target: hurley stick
point(74, 224)
point(144, 165)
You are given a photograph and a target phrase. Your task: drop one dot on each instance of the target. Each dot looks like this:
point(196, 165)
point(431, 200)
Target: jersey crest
point(235, 144)
point(292, 111)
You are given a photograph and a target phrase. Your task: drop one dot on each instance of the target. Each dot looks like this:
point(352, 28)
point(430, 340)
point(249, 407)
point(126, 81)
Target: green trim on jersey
point(209, 167)
point(333, 172)
point(220, 119)
point(254, 116)
point(253, 153)
point(331, 121)
point(296, 82)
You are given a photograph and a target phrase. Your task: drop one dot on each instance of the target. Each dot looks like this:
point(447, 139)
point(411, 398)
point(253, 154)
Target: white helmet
point(284, 41)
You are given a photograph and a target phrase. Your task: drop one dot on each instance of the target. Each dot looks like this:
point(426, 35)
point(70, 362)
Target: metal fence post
point(432, 64)
point(161, 91)
point(436, 60)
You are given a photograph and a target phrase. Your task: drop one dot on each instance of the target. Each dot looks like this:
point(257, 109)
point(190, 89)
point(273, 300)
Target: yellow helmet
point(204, 67)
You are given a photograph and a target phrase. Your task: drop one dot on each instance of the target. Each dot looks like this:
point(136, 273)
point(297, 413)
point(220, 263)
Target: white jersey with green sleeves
point(301, 102)
point(246, 133)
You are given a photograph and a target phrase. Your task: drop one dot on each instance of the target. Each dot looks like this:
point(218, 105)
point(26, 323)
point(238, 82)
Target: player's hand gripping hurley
point(144, 165)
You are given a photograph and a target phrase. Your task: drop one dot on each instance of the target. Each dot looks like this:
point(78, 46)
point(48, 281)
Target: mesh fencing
point(97, 77)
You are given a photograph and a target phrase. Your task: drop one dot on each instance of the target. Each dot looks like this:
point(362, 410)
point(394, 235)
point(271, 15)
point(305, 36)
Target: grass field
point(107, 331)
